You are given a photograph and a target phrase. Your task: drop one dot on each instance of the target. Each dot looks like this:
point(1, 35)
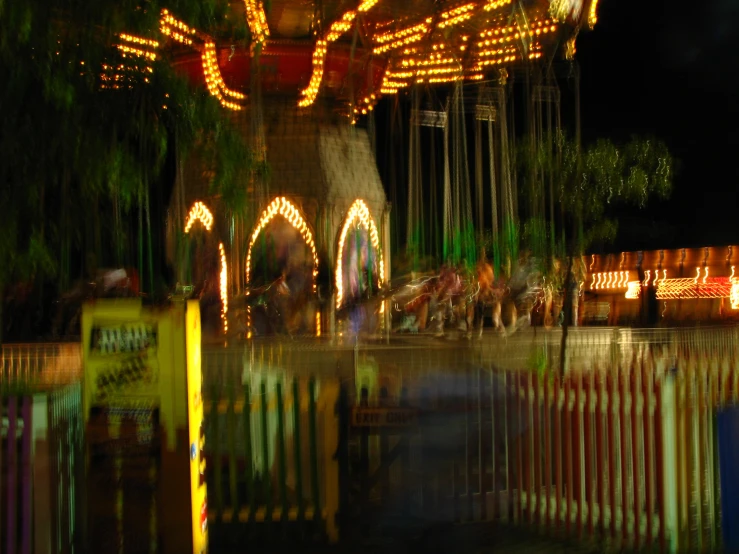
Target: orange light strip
point(214, 81)
point(367, 5)
point(257, 20)
point(139, 40)
point(176, 29)
point(341, 26)
point(610, 280)
point(408, 35)
point(138, 52)
point(181, 32)
point(457, 15)
point(199, 212)
point(634, 290)
point(337, 29)
point(311, 91)
point(224, 287)
point(688, 288)
point(593, 13)
point(495, 4)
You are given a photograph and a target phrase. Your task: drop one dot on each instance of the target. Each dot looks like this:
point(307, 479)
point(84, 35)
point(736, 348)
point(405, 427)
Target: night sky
point(670, 69)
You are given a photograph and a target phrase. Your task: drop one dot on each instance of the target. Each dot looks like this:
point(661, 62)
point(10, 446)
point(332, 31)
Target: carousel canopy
point(356, 51)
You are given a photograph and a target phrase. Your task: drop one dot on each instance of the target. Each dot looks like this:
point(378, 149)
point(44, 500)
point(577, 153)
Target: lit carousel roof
point(357, 51)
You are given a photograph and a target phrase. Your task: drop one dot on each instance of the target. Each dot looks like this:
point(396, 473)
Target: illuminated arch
point(199, 212)
point(282, 206)
point(358, 212)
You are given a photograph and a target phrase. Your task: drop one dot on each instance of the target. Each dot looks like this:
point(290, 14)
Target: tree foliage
point(85, 169)
point(592, 179)
point(605, 174)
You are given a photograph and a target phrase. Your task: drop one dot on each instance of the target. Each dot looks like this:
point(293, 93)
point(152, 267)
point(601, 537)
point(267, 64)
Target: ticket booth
point(143, 415)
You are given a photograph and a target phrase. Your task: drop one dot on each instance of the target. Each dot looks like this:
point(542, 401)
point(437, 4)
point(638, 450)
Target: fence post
point(43, 473)
point(11, 482)
point(26, 468)
point(669, 460)
point(342, 456)
point(330, 396)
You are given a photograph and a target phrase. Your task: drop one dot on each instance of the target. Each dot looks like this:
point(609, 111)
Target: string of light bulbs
point(358, 212)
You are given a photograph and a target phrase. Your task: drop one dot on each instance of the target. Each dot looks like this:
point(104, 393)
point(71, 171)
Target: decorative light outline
point(688, 288)
point(224, 287)
point(357, 211)
point(633, 290)
point(613, 280)
point(257, 20)
point(181, 32)
point(214, 80)
point(176, 29)
point(310, 92)
point(130, 50)
point(139, 40)
point(593, 13)
point(495, 4)
point(199, 212)
point(337, 28)
point(456, 15)
point(367, 5)
point(282, 206)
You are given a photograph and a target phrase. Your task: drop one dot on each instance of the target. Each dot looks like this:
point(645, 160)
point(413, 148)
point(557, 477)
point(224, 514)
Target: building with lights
point(303, 92)
point(682, 285)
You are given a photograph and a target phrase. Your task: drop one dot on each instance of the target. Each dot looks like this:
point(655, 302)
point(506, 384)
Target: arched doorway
point(206, 266)
point(360, 268)
point(281, 271)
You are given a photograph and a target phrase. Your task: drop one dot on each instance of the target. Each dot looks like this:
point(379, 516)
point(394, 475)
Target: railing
point(40, 462)
point(39, 365)
point(270, 445)
point(620, 449)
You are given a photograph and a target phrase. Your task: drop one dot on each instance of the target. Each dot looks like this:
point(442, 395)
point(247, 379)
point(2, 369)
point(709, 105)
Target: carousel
point(313, 252)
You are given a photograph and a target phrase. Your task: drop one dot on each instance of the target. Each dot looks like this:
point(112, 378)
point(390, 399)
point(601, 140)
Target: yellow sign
point(195, 422)
point(142, 366)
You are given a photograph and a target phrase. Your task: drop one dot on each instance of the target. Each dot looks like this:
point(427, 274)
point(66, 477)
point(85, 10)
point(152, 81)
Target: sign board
point(195, 428)
point(142, 375)
point(121, 361)
point(122, 400)
point(384, 417)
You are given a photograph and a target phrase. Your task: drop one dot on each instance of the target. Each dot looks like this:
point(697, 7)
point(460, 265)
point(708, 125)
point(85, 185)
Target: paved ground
point(477, 538)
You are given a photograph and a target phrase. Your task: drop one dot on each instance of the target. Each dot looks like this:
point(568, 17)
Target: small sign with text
point(384, 417)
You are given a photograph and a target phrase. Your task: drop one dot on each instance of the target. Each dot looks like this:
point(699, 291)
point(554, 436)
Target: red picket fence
point(623, 448)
